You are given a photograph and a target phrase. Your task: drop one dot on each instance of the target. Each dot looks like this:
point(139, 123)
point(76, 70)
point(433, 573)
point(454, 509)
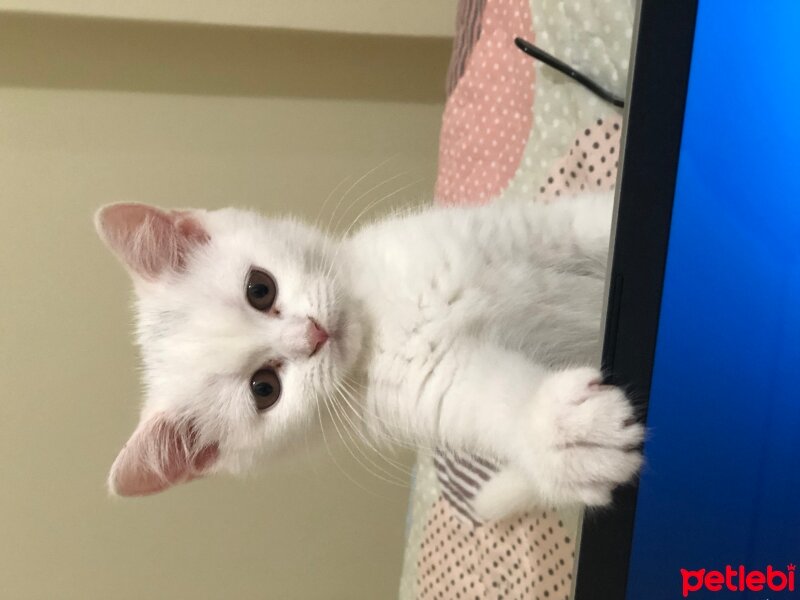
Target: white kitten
point(468, 328)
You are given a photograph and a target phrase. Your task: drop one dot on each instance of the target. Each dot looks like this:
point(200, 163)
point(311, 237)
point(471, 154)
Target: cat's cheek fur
point(254, 438)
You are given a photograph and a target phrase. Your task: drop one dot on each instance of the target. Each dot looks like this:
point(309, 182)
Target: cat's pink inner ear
point(149, 240)
point(160, 453)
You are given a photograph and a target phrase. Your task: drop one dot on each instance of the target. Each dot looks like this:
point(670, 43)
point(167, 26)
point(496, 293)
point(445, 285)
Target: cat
point(471, 328)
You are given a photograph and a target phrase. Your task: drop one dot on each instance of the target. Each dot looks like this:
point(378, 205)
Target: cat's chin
point(345, 342)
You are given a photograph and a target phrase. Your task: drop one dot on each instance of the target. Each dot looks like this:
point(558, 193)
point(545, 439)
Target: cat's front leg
point(573, 436)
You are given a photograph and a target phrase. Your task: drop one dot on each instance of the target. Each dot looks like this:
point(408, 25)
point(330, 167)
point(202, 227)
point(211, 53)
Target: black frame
point(663, 39)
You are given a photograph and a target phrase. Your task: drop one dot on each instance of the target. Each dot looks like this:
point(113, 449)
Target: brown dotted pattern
point(527, 557)
point(591, 164)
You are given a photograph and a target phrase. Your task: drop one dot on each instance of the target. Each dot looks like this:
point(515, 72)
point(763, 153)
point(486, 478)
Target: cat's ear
point(162, 452)
point(149, 240)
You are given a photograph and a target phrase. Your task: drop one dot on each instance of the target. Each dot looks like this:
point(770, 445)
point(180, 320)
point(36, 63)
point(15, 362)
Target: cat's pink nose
point(317, 336)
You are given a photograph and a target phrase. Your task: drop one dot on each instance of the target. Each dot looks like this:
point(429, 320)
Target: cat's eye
point(261, 290)
point(265, 386)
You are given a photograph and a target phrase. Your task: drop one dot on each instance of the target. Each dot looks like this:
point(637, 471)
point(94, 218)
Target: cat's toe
point(584, 411)
point(589, 436)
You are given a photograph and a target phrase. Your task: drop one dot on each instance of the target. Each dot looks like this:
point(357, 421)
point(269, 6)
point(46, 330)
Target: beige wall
point(93, 112)
point(409, 17)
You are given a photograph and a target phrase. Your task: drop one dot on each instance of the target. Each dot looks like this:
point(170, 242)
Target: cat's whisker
point(365, 194)
point(332, 405)
point(384, 432)
point(368, 424)
point(324, 437)
point(333, 458)
point(307, 449)
point(354, 184)
point(388, 476)
point(327, 199)
point(330, 226)
point(343, 393)
point(363, 440)
point(356, 384)
point(367, 208)
point(375, 203)
point(332, 256)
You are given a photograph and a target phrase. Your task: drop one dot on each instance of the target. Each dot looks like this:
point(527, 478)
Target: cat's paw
point(585, 438)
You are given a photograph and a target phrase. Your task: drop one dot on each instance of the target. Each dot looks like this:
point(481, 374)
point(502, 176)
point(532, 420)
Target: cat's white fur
point(471, 328)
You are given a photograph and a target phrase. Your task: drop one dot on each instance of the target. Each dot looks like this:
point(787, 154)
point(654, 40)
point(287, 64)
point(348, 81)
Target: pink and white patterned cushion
point(514, 128)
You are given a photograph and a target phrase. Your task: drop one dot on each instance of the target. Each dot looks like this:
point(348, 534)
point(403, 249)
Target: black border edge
point(661, 59)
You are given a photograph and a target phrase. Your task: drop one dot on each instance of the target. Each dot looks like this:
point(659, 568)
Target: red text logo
point(738, 580)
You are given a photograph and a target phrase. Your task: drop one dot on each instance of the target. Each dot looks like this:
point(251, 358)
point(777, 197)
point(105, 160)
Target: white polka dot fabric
point(594, 37)
point(487, 118)
point(515, 128)
point(523, 557)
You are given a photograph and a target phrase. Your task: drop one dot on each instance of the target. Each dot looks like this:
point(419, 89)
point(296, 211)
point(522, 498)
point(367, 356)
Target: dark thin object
point(552, 61)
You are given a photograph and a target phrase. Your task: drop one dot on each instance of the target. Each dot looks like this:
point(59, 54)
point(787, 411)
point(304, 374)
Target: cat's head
point(244, 329)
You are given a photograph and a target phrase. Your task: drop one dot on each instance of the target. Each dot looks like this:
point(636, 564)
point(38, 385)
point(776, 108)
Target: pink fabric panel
point(591, 164)
point(488, 117)
point(521, 558)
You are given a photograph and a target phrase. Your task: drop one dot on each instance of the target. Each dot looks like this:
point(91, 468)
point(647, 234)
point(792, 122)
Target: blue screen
point(722, 481)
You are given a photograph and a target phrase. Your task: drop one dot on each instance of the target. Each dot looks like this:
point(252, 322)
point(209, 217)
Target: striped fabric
point(468, 30)
point(461, 478)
